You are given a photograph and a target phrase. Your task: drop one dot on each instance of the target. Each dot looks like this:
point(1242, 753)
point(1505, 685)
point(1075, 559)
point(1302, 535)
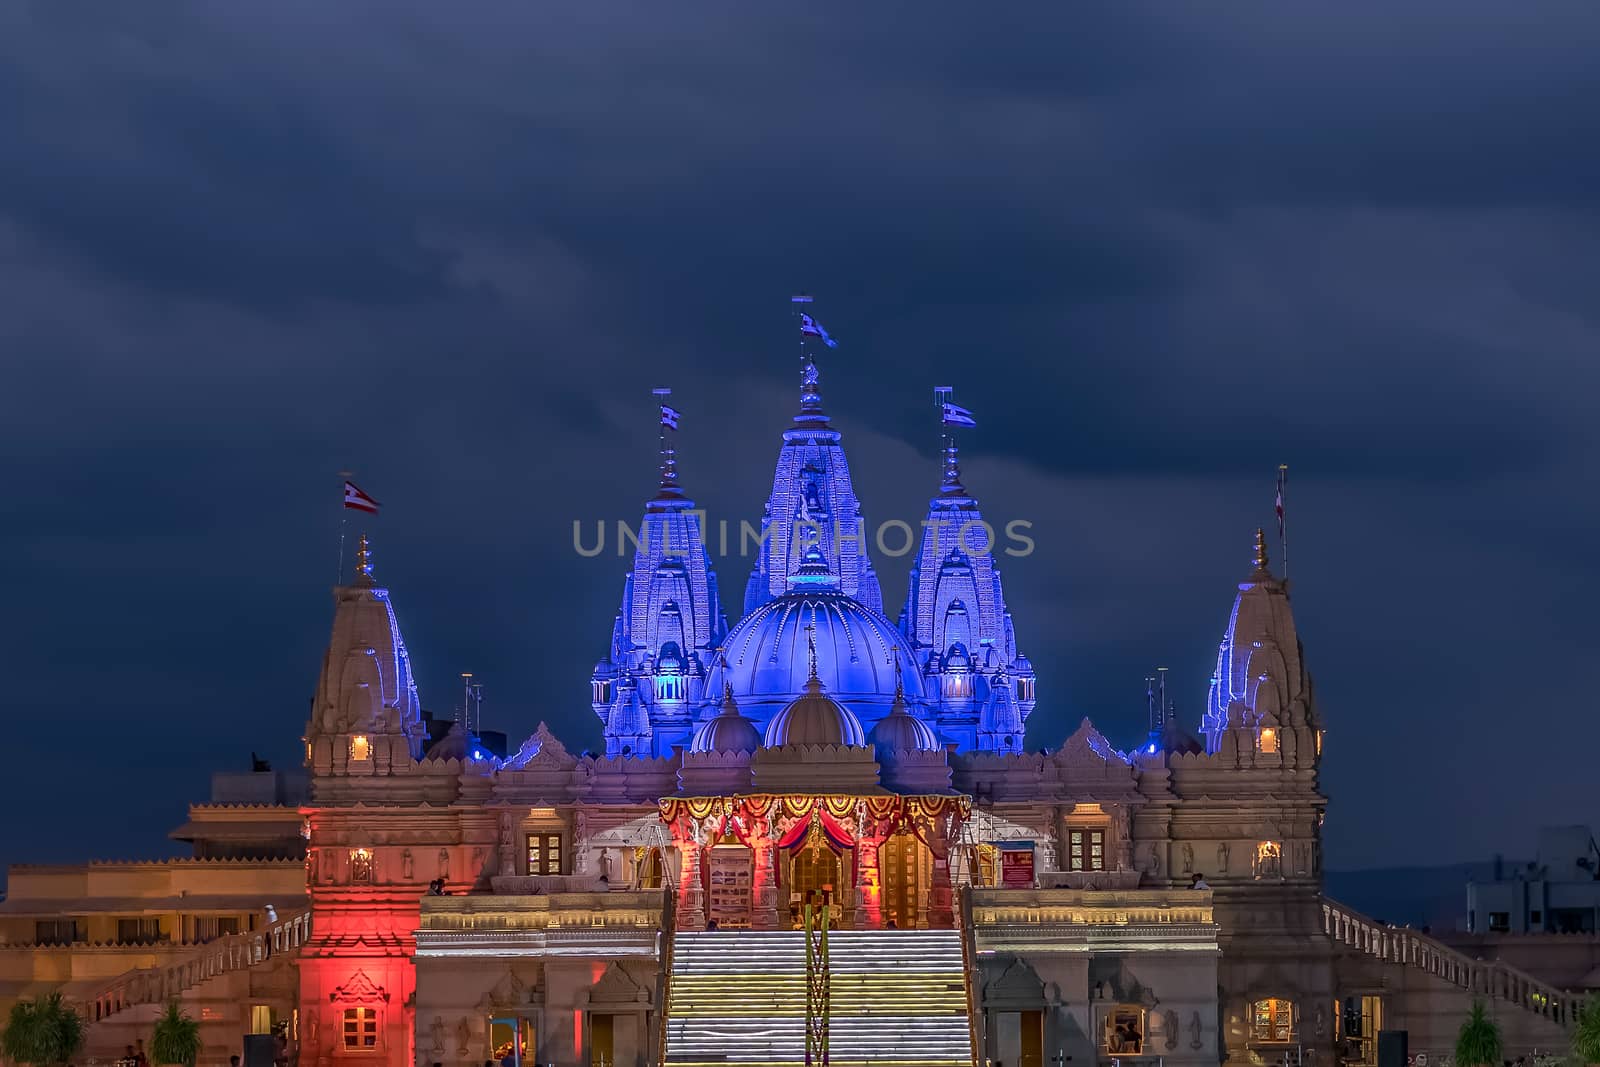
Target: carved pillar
point(766, 882)
point(940, 910)
point(691, 898)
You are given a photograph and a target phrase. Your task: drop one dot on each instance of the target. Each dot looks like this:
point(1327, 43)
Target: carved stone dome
point(900, 731)
point(764, 655)
point(727, 732)
point(814, 718)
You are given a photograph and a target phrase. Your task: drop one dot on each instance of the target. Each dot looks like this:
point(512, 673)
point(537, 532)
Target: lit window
point(1086, 849)
point(361, 1028)
point(544, 853)
point(1319, 742)
point(1272, 1020)
point(308, 749)
point(260, 1019)
point(1269, 859)
point(1269, 740)
point(360, 747)
point(1124, 1030)
point(360, 865)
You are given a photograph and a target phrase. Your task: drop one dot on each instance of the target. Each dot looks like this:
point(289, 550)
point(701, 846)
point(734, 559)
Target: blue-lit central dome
point(765, 657)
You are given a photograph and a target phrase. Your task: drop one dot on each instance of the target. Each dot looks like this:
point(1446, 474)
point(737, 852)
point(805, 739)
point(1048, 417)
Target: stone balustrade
point(1489, 979)
point(625, 922)
point(157, 985)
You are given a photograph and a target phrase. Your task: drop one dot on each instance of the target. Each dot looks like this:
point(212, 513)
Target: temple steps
point(739, 997)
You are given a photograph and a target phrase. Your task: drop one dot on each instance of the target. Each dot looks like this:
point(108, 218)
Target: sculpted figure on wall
point(1195, 1029)
point(444, 863)
point(1169, 1023)
point(463, 1037)
point(406, 867)
point(1188, 858)
point(437, 1031)
point(1222, 857)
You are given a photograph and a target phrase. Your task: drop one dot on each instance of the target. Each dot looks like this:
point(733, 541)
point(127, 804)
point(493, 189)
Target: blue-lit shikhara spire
point(812, 502)
point(979, 688)
point(649, 687)
point(1261, 683)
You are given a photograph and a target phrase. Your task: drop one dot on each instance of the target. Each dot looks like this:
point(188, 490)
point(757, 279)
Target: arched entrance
point(900, 864)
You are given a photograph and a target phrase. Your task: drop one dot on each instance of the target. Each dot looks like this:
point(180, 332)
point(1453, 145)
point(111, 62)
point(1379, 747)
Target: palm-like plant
point(42, 1032)
point(1478, 1044)
point(1586, 1035)
point(176, 1038)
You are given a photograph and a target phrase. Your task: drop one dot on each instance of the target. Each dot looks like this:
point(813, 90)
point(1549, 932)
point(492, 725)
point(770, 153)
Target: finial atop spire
point(893, 659)
point(364, 562)
point(1261, 552)
point(811, 653)
point(811, 412)
point(951, 415)
point(669, 490)
point(729, 705)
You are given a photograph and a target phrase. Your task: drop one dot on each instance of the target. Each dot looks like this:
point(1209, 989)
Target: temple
point(994, 896)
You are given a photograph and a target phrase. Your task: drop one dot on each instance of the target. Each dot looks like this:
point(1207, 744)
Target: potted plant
point(1586, 1035)
point(176, 1039)
point(1478, 1044)
point(44, 1033)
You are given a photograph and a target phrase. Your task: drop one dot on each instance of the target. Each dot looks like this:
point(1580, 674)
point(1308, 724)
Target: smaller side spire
point(364, 562)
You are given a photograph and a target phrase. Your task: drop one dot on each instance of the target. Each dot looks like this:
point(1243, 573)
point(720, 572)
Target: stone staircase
point(156, 985)
point(739, 997)
point(1535, 1013)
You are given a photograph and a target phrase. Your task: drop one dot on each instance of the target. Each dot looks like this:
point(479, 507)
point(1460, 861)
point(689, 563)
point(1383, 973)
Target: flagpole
point(344, 527)
point(1283, 518)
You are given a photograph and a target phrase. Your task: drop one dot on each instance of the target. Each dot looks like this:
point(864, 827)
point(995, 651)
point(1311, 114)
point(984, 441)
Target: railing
point(669, 922)
point(969, 971)
point(1490, 979)
point(158, 984)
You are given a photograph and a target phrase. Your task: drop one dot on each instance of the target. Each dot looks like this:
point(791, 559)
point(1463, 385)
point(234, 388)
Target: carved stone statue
point(1195, 1030)
point(1322, 1021)
point(1188, 858)
point(1222, 858)
point(1153, 864)
point(437, 1032)
point(311, 1034)
point(605, 864)
point(444, 863)
point(1170, 1024)
point(463, 1037)
point(406, 866)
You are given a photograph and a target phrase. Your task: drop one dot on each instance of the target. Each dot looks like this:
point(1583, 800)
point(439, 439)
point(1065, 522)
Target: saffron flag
point(1283, 476)
point(669, 417)
point(810, 327)
point(956, 415)
point(355, 498)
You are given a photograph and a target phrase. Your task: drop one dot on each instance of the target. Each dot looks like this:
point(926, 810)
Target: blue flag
point(810, 327)
point(956, 415)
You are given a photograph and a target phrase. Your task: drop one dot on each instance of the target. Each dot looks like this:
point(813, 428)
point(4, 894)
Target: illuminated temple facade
point(992, 901)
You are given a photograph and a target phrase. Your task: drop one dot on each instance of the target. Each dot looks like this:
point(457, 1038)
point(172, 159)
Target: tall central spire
point(812, 501)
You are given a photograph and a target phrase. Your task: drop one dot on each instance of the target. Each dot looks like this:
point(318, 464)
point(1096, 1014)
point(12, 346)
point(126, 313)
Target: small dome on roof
point(900, 731)
point(814, 717)
point(728, 732)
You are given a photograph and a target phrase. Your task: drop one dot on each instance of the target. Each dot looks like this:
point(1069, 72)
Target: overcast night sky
point(1158, 248)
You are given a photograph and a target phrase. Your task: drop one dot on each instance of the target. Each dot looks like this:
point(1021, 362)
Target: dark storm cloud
point(1159, 248)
